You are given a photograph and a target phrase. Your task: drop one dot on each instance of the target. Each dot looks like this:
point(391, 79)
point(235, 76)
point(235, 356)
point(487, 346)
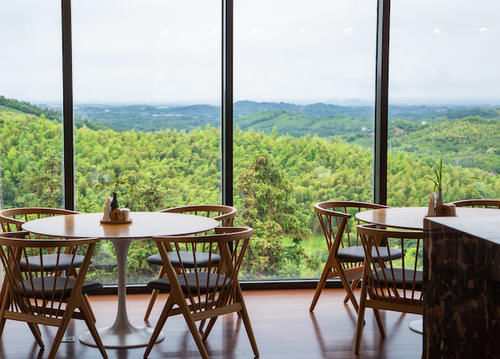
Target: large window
point(147, 100)
point(147, 96)
point(303, 124)
point(30, 133)
point(444, 86)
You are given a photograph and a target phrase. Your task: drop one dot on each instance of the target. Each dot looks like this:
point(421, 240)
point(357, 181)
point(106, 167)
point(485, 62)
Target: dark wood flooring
point(283, 327)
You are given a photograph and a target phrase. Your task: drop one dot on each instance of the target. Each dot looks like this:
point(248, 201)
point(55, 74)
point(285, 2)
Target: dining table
point(412, 218)
point(143, 225)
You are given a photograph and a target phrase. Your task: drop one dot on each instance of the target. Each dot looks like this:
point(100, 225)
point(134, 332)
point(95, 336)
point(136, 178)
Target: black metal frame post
point(227, 102)
point(67, 77)
point(381, 102)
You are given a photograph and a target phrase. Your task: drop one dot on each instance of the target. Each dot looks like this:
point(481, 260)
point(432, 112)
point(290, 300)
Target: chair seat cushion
point(50, 262)
point(378, 276)
point(41, 287)
point(202, 259)
point(215, 281)
point(357, 254)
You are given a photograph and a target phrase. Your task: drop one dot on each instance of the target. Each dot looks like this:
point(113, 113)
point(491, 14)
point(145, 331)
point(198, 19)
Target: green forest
point(278, 174)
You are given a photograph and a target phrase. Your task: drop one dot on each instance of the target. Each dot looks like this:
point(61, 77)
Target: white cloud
point(482, 29)
point(437, 31)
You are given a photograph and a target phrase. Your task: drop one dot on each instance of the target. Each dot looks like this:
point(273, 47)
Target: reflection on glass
point(304, 88)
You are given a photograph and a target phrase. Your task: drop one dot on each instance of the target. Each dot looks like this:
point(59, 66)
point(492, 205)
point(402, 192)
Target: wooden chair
point(395, 284)
point(346, 255)
point(224, 214)
point(485, 203)
point(203, 292)
point(12, 220)
point(46, 293)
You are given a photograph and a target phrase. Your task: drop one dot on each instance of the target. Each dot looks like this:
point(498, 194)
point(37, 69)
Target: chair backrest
point(391, 278)
point(211, 285)
point(221, 213)
point(485, 203)
point(12, 219)
point(41, 286)
point(338, 222)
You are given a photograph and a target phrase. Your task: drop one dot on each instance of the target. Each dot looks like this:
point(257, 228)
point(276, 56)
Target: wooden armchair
point(46, 293)
point(346, 255)
point(224, 214)
point(395, 283)
point(484, 203)
point(12, 219)
point(203, 292)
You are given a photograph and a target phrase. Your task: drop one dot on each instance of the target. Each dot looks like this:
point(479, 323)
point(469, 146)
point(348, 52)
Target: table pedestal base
point(113, 338)
point(122, 334)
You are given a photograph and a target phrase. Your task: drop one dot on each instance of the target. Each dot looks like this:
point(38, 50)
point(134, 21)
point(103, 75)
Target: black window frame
point(227, 8)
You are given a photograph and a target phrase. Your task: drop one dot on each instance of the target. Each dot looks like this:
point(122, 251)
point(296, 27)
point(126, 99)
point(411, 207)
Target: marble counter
point(462, 287)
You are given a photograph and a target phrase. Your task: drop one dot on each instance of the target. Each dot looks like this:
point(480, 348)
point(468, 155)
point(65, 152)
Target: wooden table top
point(144, 225)
point(413, 217)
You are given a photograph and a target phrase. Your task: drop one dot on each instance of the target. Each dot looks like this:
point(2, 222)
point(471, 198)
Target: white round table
point(145, 225)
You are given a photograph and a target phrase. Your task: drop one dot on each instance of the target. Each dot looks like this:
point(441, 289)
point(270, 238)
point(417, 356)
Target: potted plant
point(119, 181)
point(437, 179)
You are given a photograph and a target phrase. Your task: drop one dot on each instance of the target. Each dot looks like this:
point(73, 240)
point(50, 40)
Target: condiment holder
point(114, 215)
point(118, 216)
point(440, 210)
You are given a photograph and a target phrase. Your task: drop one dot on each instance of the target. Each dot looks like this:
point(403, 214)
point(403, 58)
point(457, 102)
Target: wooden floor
point(283, 327)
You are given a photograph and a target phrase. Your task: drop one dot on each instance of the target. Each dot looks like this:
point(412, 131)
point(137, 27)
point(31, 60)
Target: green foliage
point(278, 179)
point(269, 207)
point(468, 142)
point(25, 107)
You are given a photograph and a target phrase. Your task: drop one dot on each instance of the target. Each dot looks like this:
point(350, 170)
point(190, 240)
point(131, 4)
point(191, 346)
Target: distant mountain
point(352, 123)
point(8, 104)
point(154, 117)
point(150, 117)
point(26, 107)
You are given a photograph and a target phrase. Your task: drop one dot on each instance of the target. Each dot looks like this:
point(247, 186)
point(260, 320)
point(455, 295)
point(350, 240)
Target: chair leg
point(201, 325)
point(321, 285)
point(92, 315)
point(3, 307)
point(209, 327)
point(379, 322)
point(161, 322)
point(354, 285)
point(151, 303)
point(246, 322)
point(347, 286)
point(195, 333)
point(361, 317)
point(62, 329)
point(154, 295)
point(89, 320)
point(37, 334)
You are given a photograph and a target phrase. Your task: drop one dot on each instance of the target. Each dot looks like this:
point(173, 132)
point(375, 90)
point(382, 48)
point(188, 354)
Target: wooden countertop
point(487, 228)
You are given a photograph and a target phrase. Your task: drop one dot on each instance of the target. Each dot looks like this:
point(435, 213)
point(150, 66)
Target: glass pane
point(30, 103)
point(147, 94)
point(304, 92)
point(444, 86)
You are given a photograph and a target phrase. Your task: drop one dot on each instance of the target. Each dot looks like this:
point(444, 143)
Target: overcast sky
point(166, 51)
